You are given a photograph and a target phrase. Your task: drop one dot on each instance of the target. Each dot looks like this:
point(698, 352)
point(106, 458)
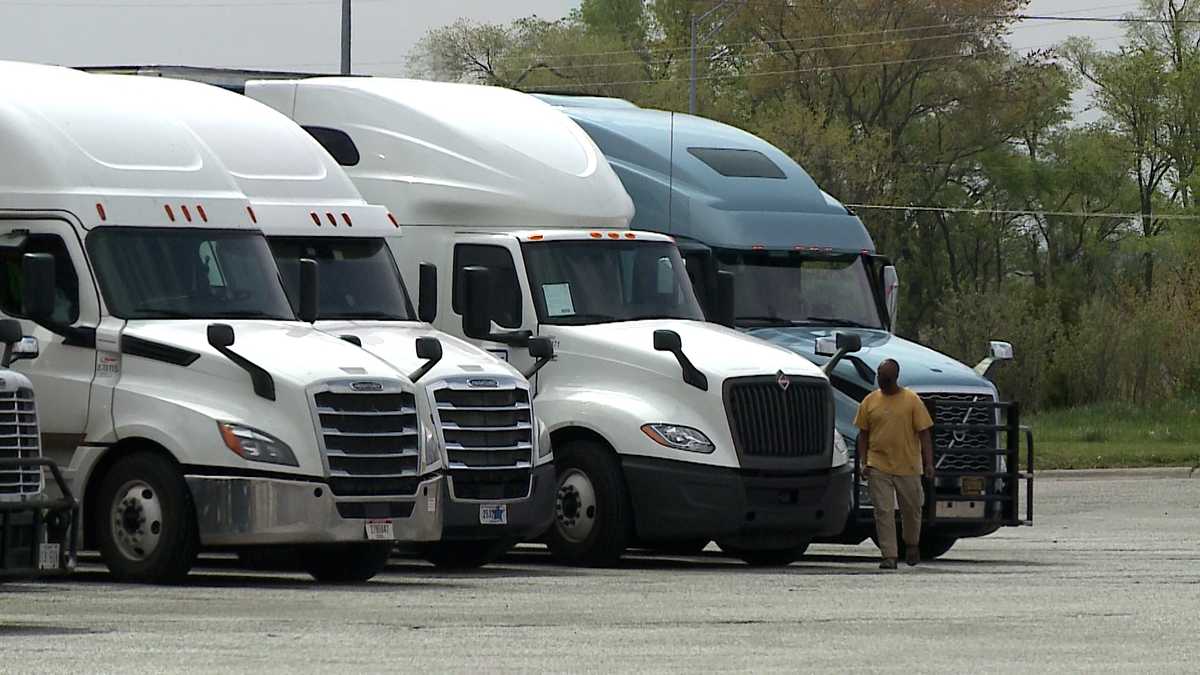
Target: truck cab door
point(511, 303)
point(62, 373)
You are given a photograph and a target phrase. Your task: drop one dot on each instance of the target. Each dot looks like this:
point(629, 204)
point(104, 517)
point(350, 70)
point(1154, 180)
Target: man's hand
point(863, 471)
point(929, 471)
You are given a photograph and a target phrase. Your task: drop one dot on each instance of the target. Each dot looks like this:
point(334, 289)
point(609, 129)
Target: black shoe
point(912, 556)
point(887, 564)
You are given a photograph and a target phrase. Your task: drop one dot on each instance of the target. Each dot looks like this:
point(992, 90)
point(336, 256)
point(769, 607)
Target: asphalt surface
point(1107, 580)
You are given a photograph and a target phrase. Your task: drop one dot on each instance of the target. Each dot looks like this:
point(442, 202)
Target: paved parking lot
point(1108, 580)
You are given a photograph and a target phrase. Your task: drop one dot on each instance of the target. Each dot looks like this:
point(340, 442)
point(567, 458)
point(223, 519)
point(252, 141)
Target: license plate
point(380, 530)
point(493, 514)
point(48, 555)
point(972, 486)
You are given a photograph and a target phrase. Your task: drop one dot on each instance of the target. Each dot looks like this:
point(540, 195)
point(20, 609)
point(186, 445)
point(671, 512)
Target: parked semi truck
point(36, 529)
point(807, 269)
point(667, 431)
point(191, 406)
point(480, 416)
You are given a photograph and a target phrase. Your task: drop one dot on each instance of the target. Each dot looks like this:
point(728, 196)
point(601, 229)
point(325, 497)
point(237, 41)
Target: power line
point(1020, 212)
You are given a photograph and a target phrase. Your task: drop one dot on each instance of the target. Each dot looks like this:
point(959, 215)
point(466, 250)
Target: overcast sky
point(303, 34)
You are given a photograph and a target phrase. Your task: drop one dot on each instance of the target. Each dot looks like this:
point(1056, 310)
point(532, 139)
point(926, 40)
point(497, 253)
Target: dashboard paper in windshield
point(558, 299)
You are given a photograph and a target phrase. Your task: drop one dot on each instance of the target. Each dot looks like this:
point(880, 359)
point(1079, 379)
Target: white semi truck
point(480, 415)
point(668, 431)
point(190, 405)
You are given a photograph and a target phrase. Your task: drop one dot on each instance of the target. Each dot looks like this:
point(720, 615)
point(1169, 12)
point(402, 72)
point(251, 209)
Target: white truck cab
point(668, 431)
point(191, 407)
point(480, 413)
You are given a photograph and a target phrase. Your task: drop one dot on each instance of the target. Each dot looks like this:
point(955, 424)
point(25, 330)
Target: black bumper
point(527, 518)
point(675, 501)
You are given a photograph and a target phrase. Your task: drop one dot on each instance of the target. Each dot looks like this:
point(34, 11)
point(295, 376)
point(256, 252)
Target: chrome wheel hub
point(575, 506)
point(136, 520)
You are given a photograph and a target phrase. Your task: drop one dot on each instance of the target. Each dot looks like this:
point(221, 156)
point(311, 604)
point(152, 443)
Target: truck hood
point(920, 367)
point(715, 350)
point(288, 350)
point(396, 343)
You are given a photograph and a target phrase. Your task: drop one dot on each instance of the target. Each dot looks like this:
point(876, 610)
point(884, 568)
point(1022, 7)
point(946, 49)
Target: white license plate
point(493, 514)
point(380, 530)
point(48, 555)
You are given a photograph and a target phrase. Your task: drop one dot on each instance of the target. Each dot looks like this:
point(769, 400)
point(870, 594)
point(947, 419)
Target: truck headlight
point(678, 437)
point(433, 449)
point(256, 446)
point(841, 453)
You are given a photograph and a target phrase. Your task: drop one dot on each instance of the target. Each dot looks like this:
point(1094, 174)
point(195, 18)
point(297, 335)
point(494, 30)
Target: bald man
point(896, 449)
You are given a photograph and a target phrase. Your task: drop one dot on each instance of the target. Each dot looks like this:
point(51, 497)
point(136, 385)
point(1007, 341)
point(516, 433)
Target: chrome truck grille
point(19, 440)
point(369, 438)
point(780, 417)
point(487, 429)
point(968, 440)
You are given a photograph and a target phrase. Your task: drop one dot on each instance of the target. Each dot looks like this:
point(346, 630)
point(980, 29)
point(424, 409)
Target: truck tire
point(593, 518)
point(769, 557)
point(145, 520)
point(344, 563)
point(464, 555)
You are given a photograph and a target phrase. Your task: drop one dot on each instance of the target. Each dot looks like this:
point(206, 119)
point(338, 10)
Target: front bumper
point(674, 501)
point(527, 518)
point(238, 511)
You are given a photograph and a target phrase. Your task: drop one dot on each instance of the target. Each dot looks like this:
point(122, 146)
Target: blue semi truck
point(806, 269)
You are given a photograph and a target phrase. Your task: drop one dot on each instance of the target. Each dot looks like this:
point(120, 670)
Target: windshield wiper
point(163, 312)
point(765, 320)
point(584, 318)
point(837, 321)
point(367, 315)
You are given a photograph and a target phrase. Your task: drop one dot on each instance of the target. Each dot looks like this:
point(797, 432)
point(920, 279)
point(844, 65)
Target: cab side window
point(66, 283)
point(506, 290)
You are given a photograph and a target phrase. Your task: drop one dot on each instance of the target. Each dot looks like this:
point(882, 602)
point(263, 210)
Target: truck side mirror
point(37, 292)
point(476, 302)
point(997, 351)
point(429, 349)
point(723, 310)
point(542, 350)
point(427, 293)
point(839, 347)
point(891, 294)
point(11, 336)
point(310, 291)
point(669, 341)
point(220, 335)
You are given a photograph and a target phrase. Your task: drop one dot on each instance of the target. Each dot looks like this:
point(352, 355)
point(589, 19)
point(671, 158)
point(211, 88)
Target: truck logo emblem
point(366, 386)
point(483, 383)
point(783, 380)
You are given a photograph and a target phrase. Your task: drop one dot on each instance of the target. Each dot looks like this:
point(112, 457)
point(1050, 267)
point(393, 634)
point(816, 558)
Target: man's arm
point(927, 452)
point(862, 444)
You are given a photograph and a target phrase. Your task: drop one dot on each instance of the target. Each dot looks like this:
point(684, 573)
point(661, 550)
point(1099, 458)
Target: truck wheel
point(592, 514)
point(770, 557)
point(464, 555)
point(145, 520)
point(344, 563)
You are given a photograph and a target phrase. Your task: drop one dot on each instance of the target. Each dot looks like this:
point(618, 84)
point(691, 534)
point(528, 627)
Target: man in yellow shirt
point(895, 449)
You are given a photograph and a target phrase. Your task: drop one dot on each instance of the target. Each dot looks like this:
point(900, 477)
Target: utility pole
point(345, 37)
point(695, 41)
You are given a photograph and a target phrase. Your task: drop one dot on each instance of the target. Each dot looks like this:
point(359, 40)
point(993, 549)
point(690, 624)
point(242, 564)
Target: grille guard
point(1001, 488)
point(47, 521)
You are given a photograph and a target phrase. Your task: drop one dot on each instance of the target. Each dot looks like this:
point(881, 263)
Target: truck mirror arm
point(430, 349)
point(512, 338)
point(264, 384)
point(669, 341)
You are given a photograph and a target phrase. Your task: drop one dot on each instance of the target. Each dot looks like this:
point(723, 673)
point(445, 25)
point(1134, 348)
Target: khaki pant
point(886, 490)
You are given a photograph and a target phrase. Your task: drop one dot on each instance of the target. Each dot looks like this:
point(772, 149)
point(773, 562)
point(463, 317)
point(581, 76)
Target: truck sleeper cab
point(806, 269)
point(191, 407)
point(481, 418)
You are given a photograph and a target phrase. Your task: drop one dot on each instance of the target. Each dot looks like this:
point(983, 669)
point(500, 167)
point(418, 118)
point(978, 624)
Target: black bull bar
point(994, 496)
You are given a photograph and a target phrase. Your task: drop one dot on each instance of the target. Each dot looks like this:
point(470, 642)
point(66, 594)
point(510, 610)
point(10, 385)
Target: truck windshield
point(358, 276)
point(585, 282)
point(178, 273)
point(792, 289)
